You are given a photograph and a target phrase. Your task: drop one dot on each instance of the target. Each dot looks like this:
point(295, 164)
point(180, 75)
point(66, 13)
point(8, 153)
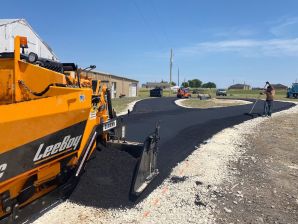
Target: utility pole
point(178, 77)
point(171, 64)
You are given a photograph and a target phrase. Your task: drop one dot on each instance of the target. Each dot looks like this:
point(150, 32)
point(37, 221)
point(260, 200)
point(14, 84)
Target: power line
point(146, 23)
point(163, 28)
point(153, 33)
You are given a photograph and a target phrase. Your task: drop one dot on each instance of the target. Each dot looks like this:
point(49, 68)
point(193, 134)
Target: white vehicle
point(221, 92)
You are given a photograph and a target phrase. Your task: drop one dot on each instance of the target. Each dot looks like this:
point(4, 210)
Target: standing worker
point(268, 105)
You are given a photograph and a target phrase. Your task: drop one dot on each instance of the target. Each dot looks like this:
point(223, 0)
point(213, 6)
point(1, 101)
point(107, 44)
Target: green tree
point(185, 84)
point(173, 83)
point(195, 83)
point(209, 85)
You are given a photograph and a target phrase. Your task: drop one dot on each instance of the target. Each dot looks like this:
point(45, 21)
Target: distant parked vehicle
point(183, 93)
point(157, 92)
point(293, 91)
point(195, 91)
point(174, 89)
point(221, 92)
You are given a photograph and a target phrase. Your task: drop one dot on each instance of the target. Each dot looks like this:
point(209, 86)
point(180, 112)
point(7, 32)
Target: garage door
point(113, 90)
point(133, 90)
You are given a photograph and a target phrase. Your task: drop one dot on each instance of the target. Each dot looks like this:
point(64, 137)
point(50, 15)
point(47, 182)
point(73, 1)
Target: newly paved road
point(181, 129)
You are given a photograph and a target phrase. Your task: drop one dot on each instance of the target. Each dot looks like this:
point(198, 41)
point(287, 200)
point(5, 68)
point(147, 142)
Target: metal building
point(9, 28)
point(120, 86)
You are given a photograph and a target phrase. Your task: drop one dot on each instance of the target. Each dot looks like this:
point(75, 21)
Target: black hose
point(47, 89)
point(42, 92)
point(109, 101)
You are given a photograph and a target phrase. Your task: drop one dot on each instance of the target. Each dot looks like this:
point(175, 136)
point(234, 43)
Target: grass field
point(279, 95)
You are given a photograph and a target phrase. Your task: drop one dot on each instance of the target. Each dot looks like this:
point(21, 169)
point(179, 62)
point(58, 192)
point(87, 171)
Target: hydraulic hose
point(109, 101)
point(21, 82)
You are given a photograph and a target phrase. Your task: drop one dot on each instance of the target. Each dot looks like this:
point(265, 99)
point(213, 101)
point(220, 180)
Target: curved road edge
point(130, 107)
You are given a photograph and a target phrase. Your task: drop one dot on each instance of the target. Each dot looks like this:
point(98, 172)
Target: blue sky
point(221, 41)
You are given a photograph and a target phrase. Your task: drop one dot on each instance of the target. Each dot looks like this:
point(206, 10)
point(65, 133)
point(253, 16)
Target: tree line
point(196, 83)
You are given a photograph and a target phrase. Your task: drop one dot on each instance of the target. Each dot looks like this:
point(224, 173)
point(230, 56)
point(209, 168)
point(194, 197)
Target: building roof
point(7, 21)
point(157, 84)
point(238, 86)
point(275, 86)
point(4, 22)
point(112, 76)
point(279, 86)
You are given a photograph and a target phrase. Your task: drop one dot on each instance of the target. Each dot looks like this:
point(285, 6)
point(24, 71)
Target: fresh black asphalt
point(181, 129)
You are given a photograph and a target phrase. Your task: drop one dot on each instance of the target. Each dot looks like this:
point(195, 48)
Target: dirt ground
point(266, 186)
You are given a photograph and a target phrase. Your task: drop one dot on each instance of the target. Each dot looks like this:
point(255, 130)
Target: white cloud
point(234, 32)
point(286, 26)
point(245, 47)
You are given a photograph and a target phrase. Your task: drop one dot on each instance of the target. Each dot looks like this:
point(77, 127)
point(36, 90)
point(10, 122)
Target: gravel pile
point(188, 195)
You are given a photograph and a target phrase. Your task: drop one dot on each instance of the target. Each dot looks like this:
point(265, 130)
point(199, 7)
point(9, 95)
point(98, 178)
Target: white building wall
point(9, 28)
point(133, 90)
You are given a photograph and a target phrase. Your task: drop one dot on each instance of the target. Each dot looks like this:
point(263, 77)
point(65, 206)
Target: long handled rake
point(250, 113)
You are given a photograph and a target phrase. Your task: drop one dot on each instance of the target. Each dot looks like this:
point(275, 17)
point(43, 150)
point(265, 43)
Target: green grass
point(279, 94)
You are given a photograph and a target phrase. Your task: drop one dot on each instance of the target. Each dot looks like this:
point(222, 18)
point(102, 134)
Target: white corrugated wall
point(11, 28)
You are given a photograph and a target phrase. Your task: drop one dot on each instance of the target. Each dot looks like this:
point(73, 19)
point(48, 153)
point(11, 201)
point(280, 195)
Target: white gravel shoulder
point(180, 104)
point(186, 196)
point(130, 107)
